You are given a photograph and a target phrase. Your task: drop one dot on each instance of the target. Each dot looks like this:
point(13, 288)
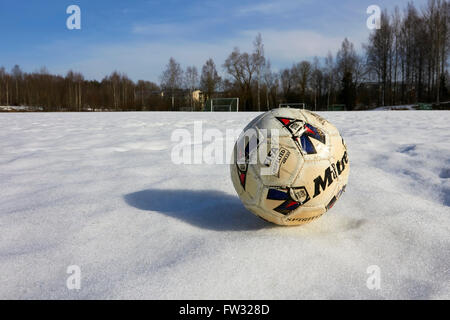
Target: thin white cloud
point(162, 29)
point(260, 8)
point(270, 7)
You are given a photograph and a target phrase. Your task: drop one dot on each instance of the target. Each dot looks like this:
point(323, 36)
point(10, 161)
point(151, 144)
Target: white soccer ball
point(289, 166)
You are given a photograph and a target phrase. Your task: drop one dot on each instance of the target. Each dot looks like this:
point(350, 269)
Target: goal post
point(222, 105)
point(297, 105)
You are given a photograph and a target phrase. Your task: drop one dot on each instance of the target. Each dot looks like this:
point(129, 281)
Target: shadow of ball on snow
point(213, 210)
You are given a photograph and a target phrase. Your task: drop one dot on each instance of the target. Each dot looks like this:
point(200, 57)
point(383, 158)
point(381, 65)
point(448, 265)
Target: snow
point(98, 190)
point(20, 108)
point(399, 107)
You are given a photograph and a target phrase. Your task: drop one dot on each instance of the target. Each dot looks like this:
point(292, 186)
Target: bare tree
point(172, 79)
point(259, 60)
point(114, 79)
point(3, 85)
point(287, 83)
point(271, 82)
point(242, 68)
point(17, 76)
point(141, 90)
point(379, 55)
point(316, 81)
point(396, 38)
point(210, 79)
point(350, 70)
point(330, 77)
point(75, 81)
point(191, 83)
point(302, 75)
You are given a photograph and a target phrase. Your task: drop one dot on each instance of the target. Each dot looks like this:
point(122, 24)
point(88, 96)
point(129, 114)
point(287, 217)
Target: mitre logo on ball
point(289, 166)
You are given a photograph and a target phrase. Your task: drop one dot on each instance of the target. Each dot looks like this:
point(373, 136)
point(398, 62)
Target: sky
point(138, 37)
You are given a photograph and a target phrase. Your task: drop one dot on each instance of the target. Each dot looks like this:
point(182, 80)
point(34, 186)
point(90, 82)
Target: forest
point(403, 62)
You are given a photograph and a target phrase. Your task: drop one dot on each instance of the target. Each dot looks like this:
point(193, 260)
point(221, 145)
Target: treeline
point(403, 62)
point(73, 93)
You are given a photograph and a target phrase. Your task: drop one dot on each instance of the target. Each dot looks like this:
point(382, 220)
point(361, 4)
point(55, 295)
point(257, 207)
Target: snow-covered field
point(99, 190)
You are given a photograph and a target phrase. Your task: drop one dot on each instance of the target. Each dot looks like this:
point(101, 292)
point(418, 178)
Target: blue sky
point(139, 37)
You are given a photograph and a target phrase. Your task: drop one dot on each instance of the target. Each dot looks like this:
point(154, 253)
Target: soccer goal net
point(222, 104)
point(292, 105)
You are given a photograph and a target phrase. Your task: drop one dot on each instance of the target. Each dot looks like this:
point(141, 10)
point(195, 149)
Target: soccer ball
point(289, 166)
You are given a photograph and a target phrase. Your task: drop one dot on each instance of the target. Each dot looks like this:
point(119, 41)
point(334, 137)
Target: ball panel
point(257, 120)
point(271, 123)
point(252, 186)
point(305, 215)
point(318, 178)
point(321, 122)
point(322, 150)
point(234, 173)
point(288, 113)
point(266, 215)
point(281, 164)
point(339, 159)
point(278, 201)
